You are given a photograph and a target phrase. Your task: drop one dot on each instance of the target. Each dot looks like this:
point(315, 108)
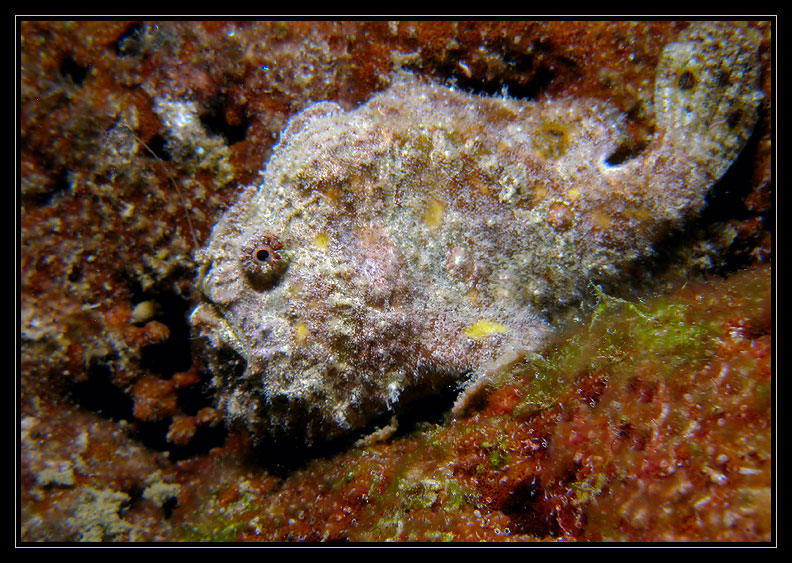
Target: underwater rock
point(429, 234)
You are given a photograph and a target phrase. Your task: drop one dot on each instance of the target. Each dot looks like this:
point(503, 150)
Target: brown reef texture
point(118, 437)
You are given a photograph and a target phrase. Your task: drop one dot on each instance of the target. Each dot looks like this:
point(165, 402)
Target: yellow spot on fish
point(483, 328)
point(321, 241)
point(302, 332)
point(601, 220)
point(434, 213)
point(638, 214)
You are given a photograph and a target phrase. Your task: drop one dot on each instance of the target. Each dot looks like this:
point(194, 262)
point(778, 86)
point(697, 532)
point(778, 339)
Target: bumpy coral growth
point(430, 230)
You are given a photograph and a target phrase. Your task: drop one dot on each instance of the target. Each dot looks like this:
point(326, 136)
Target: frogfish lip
point(212, 325)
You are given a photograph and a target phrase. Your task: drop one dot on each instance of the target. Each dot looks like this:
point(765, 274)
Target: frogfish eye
point(262, 257)
point(263, 254)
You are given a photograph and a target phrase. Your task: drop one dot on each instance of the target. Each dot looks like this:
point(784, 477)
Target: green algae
point(545, 376)
point(218, 521)
point(458, 496)
point(591, 487)
point(434, 499)
point(676, 333)
point(210, 532)
point(667, 332)
point(499, 454)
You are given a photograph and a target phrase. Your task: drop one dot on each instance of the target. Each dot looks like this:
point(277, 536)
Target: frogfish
point(422, 239)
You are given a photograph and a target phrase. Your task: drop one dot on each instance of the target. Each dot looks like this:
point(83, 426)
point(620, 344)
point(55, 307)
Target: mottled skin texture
point(429, 234)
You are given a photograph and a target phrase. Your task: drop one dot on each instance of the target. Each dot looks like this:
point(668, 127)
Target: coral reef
point(133, 139)
point(83, 478)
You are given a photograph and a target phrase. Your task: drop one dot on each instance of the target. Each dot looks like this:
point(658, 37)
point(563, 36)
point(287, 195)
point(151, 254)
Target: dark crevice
point(128, 44)
point(193, 399)
point(173, 355)
point(216, 121)
point(60, 184)
point(205, 438)
point(626, 151)
point(135, 492)
point(159, 147)
point(171, 504)
point(725, 202)
point(522, 74)
point(686, 81)
point(153, 435)
point(99, 394)
point(75, 272)
point(531, 89)
point(73, 71)
point(726, 199)
point(515, 87)
point(530, 512)
point(519, 62)
point(432, 409)
point(294, 453)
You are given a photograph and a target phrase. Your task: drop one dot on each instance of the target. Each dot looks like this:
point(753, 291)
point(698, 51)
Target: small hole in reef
point(128, 43)
point(174, 354)
point(262, 255)
point(69, 68)
point(99, 394)
point(216, 120)
point(169, 506)
point(734, 119)
point(159, 147)
point(723, 78)
point(154, 435)
point(59, 185)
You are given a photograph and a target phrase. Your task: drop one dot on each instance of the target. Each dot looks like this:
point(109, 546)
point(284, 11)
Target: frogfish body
point(398, 248)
